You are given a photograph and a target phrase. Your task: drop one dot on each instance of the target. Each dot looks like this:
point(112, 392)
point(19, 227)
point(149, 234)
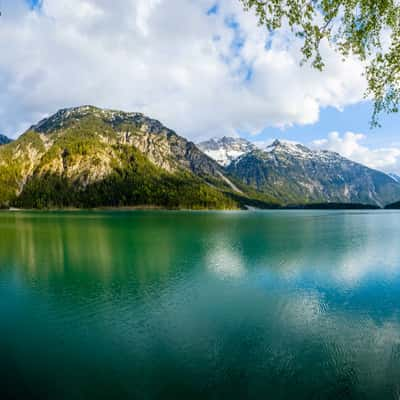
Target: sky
point(202, 67)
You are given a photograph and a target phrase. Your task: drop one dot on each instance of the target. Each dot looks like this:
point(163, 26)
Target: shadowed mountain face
point(294, 173)
point(87, 156)
point(393, 206)
point(4, 140)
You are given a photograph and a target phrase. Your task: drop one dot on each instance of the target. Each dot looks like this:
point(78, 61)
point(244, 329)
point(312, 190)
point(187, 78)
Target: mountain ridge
point(293, 173)
point(91, 157)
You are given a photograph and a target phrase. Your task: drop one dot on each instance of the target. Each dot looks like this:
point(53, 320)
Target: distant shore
point(314, 206)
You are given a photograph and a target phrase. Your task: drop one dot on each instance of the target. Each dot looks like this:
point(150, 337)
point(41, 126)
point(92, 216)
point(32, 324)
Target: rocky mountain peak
point(226, 149)
point(70, 116)
point(287, 146)
point(276, 143)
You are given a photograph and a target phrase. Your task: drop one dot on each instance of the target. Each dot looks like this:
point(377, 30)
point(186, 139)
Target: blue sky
point(355, 118)
point(202, 67)
point(33, 3)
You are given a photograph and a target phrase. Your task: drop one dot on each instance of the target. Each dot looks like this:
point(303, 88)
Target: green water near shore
point(153, 304)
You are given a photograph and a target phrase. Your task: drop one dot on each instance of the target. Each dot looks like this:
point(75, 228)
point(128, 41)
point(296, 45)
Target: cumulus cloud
point(202, 73)
point(350, 145)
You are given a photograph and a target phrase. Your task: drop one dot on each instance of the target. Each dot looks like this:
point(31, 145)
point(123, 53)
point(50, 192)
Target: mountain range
point(91, 157)
point(293, 173)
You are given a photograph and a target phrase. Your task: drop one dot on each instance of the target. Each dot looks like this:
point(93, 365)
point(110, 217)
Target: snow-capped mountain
point(227, 149)
point(296, 174)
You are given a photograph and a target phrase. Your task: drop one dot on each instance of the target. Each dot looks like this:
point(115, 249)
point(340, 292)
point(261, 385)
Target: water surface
point(219, 305)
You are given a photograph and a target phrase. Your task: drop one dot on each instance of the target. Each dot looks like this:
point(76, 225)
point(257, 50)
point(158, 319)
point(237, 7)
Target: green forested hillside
point(89, 157)
point(135, 182)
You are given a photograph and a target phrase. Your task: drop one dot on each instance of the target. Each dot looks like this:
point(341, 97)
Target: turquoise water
point(167, 305)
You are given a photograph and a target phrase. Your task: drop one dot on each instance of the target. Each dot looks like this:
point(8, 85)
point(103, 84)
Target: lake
point(198, 305)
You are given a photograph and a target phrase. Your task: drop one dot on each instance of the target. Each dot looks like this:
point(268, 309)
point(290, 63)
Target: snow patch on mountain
point(395, 177)
point(227, 149)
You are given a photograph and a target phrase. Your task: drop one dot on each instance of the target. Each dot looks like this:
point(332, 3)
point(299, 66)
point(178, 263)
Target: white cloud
point(348, 145)
point(166, 58)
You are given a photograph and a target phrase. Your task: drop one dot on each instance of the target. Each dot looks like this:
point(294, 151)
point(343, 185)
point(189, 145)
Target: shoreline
point(159, 208)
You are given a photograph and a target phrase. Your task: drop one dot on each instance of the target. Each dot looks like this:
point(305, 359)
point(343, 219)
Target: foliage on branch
point(368, 29)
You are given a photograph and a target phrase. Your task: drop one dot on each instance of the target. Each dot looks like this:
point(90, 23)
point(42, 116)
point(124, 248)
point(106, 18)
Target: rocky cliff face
point(161, 145)
point(296, 174)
